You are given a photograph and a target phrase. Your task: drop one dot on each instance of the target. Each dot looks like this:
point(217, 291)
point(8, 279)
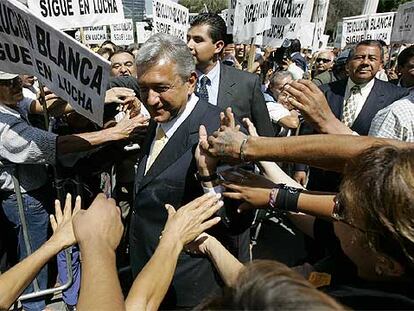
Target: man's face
point(324, 61)
point(11, 91)
point(122, 64)
point(364, 64)
point(163, 91)
point(407, 73)
point(277, 87)
point(201, 45)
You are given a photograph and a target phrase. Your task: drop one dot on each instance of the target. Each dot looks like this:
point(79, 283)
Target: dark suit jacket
point(171, 180)
point(241, 91)
point(381, 95)
point(300, 61)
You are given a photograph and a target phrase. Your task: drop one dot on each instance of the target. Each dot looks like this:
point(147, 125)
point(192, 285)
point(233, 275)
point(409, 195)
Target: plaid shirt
point(395, 121)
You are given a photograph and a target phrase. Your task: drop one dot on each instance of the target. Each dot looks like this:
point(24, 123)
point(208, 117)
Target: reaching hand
point(225, 143)
point(118, 95)
point(251, 188)
point(305, 96)
point(62, 222)
point(250, 127)
point(100, 224)
point(200, 245)
point(206, 164)
point(189, 221)
point(128, 125)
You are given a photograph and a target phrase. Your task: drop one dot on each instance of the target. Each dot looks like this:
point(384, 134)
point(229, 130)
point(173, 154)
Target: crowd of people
point(286, 182)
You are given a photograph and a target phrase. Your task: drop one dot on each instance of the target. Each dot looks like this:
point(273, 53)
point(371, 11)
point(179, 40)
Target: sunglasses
point(11, 82)
point(325, 60)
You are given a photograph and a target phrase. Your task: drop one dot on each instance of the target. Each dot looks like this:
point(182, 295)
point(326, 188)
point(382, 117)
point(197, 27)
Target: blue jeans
point(36, 204)
point(70, 295)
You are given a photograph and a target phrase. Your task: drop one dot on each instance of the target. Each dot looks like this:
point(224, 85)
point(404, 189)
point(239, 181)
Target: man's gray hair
point(162, 46)
point(279, 75)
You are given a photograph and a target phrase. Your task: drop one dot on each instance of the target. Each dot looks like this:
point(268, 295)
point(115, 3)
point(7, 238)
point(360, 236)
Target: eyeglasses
point(324, 60)
point(11, 82)
point(339, 213)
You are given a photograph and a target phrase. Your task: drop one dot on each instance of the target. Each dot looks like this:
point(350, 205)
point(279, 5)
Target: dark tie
point(202, 89)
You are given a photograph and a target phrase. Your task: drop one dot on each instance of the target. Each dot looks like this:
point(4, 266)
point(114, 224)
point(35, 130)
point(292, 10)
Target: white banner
point(403, 30)
point(250, 18)
point(287, 18)
point(320, 14)
point(231, 4)
point(367, 27)
point(28, 45)
point(305, 34)
point(123, 33)
point(65, 14)
point(142, 34)
point(170, 18)
point(96, 35)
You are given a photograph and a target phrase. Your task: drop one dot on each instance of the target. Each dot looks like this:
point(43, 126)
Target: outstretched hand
point(61, 222)
point(184, 225)
point(225, 143)
point(206, 163)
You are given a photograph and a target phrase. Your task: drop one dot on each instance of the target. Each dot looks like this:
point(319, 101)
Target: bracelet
point(242, 155)
point(273, 194)
point(286, 199)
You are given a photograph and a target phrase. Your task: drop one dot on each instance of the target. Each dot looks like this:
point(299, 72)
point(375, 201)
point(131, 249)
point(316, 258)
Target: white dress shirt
point(360, 97)
point(171, 126)
point(213, 85)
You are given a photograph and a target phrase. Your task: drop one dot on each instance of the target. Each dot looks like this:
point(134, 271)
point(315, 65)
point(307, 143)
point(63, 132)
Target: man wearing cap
point(24, 151)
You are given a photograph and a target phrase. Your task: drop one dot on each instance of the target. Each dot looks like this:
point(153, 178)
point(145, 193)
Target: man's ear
point(219, 47)
point(192, 82)
point(388, 267)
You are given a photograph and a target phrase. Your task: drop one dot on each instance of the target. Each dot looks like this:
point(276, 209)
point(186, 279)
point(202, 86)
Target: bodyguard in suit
point(167, 167)
point(222, 85)
point(353, 103)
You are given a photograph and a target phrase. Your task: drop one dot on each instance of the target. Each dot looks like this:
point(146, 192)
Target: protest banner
point(338, 37)
point(28, 45)
point(170, 18)
point(231, 4)
point(250, 18)
point(122, 33)
point(320, 13)
point(287, 17)
point(142, 33)
point(367, 27)
point(65, 14)
point(403, 30)
point(305, 34)
point(96, 35)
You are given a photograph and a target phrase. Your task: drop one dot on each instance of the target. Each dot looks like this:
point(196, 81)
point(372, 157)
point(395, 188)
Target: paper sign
point(123, 33)
point(28, 45)
point(403, 30)
point(65, 14)
point(170, 18)
point(96, 35)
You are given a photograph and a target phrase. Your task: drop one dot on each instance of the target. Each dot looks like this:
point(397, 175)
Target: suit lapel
point(336, 102)
point(184, 138)
point(225, 87)
point(373, 103)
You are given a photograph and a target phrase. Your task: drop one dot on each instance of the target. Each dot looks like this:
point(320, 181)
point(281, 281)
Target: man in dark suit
point(297, 58)
point(220, 84)
point(166, 171)
point(351, 103)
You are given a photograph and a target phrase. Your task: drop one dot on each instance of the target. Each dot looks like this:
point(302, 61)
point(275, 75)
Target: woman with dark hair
point(371, 233)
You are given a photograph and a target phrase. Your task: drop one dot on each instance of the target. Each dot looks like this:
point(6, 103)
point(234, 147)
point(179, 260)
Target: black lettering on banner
point(255, 12)
point(15, 54)
point(77, 96)
point(275, 32)
point(104, 6)
point(288, 9)
point(174, 14)
point(56, 8)
point(78, 66)
point(14, 24)
point(84, 8)
point(44, 70)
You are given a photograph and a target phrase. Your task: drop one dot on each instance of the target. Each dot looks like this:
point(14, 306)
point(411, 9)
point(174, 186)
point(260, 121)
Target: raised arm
point(16, 279)
point(182, 227)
